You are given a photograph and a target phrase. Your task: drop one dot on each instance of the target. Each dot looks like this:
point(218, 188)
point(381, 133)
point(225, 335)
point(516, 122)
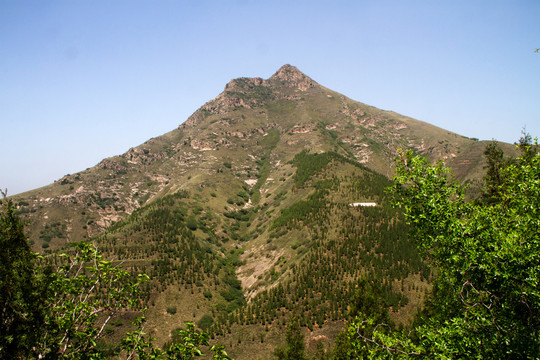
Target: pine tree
point(485, 301)
point(21, 312)
point(295, 347)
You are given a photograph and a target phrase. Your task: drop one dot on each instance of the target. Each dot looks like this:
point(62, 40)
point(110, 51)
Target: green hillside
point(243, 216)
point(302, 252)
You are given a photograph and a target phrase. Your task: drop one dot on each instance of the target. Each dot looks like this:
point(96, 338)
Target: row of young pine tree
point(353, 265)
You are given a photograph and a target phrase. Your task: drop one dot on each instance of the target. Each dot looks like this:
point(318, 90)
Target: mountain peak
point(253, 92)
point(287, 70)
point(291, 75)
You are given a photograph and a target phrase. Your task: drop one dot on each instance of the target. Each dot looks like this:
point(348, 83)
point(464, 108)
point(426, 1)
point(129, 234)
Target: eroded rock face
point(140, 156)
point(193, 120)
point(109, 164)
point(294, 77)
point(243, 84)
point(302, 129)
point(250, 93)
point(203, 145)
point(227, 101)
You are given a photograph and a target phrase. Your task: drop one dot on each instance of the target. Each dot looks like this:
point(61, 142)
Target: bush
point(171, 310)
point(191, 223)
point(205, 322)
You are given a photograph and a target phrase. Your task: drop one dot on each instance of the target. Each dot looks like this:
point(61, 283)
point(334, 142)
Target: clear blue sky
point(85, 80)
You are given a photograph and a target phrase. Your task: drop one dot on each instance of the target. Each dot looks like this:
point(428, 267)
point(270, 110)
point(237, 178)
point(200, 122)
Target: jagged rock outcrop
point(293, 77)
point(250, 93)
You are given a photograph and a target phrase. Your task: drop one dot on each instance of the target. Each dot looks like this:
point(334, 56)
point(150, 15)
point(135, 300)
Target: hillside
point(242, 215)
point(229, 134)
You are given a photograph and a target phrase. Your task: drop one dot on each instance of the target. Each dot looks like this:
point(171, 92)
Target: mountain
point(244, 217)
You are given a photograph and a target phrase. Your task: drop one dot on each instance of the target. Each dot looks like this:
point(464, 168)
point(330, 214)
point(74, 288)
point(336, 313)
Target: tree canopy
point(59, 307)
point(485, 301)
point(21, 312)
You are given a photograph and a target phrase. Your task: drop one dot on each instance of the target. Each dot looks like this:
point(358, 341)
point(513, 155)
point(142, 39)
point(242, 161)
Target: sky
point(84, 80)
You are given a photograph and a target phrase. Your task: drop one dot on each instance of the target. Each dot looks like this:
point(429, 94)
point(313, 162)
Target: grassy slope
point(310, 257)
point(317, 119)
point(223, 153)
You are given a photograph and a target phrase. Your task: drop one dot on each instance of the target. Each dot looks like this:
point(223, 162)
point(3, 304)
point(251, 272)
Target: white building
point(364, 204)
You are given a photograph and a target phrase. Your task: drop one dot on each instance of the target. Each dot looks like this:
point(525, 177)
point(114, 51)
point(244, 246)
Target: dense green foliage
point(347, 256)
point(182, 244)
point(294, 348)
point(309, 165)
point(486, 298)
point(21, 312)
point(342, 256)
point(365, 304)
point(59, 307)
point(174, 241)
point(493, 180)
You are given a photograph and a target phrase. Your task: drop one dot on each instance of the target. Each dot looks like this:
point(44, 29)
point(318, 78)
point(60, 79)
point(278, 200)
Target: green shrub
point(171, 310)
point(205, 322)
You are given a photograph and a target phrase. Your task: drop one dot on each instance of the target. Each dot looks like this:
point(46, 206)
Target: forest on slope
point(339, 274)
point(243, 219)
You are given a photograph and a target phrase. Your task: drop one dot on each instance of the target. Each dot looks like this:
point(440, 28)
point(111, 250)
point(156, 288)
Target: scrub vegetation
point(236, 231)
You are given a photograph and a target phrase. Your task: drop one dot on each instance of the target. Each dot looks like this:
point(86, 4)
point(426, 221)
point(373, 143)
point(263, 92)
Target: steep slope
point(242, 215)
point(230, 134)
point(305, 251)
